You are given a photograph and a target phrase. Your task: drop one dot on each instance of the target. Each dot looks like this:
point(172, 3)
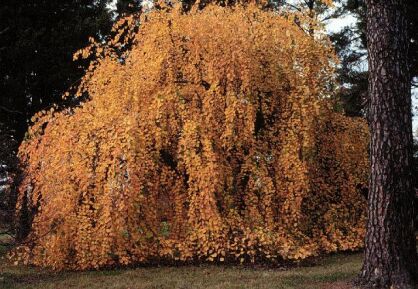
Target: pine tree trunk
point(390, 259)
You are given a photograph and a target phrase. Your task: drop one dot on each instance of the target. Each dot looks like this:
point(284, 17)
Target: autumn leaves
point(211, 141)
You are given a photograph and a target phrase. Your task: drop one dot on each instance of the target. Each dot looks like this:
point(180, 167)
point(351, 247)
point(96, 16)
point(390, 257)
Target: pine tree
point(37, 41)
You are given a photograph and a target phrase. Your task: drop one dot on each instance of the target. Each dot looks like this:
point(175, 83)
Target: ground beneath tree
point(331, 272)
point(338, 285)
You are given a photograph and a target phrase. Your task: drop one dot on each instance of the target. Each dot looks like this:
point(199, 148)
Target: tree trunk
point(390, 259)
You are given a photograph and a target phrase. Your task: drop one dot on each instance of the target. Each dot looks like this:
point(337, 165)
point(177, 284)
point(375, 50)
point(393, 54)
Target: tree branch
point(10, 111)
point(5, 30)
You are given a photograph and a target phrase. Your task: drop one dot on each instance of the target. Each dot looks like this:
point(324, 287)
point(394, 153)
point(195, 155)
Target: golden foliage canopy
point(211, 139)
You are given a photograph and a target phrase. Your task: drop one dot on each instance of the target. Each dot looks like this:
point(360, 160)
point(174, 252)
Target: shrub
point(211, 139)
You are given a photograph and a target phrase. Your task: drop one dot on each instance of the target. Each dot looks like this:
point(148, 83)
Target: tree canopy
point(192, 147)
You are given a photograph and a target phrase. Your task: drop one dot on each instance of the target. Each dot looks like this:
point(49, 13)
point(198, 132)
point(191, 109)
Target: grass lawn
point(331, 272)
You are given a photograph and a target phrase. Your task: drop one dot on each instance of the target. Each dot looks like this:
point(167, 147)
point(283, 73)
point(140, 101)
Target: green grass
point(329, 272)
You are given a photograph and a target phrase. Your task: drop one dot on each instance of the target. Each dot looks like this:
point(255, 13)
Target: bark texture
point(390, 255)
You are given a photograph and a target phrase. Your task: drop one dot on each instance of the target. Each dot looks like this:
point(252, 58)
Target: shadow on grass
point(335, 268)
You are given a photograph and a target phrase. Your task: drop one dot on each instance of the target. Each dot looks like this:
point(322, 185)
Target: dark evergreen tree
point(351, 45)
point(37, 40)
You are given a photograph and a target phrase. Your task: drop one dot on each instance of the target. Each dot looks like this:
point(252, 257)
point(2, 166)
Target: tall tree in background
point(390, 255)
point(351, 46)
point(37, 41)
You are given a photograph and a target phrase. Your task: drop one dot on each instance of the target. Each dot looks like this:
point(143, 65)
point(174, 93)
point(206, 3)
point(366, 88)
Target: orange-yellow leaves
point(328, 2)
point(213, 140)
